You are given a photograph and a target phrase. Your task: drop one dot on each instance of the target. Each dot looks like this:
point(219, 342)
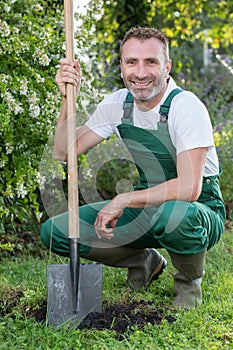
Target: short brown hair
point(143, 33)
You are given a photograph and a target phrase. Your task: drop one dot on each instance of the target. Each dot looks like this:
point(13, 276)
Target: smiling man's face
point(144, 70)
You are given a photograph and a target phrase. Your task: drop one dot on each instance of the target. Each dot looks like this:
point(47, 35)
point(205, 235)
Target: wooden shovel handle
point(73, 201)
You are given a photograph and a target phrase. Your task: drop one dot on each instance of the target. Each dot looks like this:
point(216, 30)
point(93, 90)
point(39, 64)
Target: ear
point(169, 67)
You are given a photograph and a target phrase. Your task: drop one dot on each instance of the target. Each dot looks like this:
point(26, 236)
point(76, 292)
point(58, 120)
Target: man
point(177, 204)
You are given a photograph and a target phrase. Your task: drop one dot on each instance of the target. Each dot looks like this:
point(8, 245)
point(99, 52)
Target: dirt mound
point(119, 317)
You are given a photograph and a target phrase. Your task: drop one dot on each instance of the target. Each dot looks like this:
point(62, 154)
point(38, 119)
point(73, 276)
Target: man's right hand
point(69, 72)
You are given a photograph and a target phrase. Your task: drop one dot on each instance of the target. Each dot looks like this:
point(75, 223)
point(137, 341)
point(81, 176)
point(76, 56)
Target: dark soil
point(119, 317)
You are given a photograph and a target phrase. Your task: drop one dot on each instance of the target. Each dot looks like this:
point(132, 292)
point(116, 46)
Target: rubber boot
point(187, 282)
point(144, 265)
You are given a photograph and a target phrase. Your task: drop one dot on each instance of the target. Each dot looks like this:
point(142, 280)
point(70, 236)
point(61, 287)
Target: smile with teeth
point(141, 85)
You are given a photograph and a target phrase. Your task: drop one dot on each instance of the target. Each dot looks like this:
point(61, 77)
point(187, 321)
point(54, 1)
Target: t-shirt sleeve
point(107, 115)
point(99, 122)
point(189, 123)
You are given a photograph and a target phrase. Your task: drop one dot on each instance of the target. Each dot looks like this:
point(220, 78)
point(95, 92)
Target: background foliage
point(30, 48)
point(31, 44)
point(187, 24)
point(31, 39)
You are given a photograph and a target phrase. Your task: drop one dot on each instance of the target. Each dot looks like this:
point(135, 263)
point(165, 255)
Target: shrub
point(31, 34)
point(30, 47)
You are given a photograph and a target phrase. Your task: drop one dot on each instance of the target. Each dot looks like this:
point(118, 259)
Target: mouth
point(140, 84)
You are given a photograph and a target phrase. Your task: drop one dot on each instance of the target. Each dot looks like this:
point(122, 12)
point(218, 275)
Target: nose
point(141, 71)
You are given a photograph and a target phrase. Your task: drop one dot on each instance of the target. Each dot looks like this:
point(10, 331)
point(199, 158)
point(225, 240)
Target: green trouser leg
point(144, 265)
point(187, 282)
point(179, 227)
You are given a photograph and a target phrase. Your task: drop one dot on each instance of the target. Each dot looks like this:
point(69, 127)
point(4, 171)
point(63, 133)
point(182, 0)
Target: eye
point(152, 61)
point(130, 61)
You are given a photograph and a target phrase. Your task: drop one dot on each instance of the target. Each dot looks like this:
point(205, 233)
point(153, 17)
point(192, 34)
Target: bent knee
point(45, 233)
point(172, 214)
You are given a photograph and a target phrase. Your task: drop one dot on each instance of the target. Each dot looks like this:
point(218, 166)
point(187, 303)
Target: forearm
point(85, 137)
point(186, 187)
point(60, 141)
point(155, 196)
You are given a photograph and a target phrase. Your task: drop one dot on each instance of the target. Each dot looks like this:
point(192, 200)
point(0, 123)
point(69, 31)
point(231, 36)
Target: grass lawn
point(23, 290)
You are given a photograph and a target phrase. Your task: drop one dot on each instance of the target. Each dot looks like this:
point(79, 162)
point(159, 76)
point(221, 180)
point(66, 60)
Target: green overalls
point(178, 226)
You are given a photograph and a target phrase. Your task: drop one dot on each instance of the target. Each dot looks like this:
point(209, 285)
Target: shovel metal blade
point(60, 308)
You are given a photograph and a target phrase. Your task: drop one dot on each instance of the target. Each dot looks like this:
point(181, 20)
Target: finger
point(68, 75)
point(97, 229)
point(102, 220)
point(108, 233)
point(66, 61)
point(63, 79)
point(99, 220)
point(96, 223)
point(100, 227)
point(98, 233)
point(113, 223)
point(77, 65)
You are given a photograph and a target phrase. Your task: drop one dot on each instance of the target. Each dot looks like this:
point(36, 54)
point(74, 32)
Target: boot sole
point(157, 271)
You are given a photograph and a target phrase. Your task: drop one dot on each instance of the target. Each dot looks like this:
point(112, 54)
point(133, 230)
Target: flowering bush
point(32, 38)
point(30, 48)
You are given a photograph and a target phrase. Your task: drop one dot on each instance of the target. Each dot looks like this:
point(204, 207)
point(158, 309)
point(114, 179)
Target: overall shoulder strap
point(128, 108)
point(163, 111)
point(164, 108)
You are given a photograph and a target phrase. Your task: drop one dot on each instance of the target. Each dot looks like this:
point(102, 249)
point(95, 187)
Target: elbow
point(190, 193)
point(59, 155)
point(194, 193)
point(194, 197)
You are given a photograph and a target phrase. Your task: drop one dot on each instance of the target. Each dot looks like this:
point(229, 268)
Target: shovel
point(74, 290)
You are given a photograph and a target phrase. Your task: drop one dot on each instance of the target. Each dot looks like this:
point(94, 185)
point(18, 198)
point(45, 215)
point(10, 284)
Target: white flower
point(12, 105)
point(39, 216)
point(7, 8)
point(20, 190)
point(9, 193)
point(9, 97)
point(32, 98)
point(18, 109)
point(3, 78)
point(2, 163)
point(24, 87)
point(9, 148)
point(4, 29)
point(34, 110)
point(39, 79)
point(38, 7)
point(87, 175)
point(42, 57)
point(40, 179)
point(44, 60)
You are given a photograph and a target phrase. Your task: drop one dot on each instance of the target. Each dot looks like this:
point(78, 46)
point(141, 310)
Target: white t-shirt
point(188, 122)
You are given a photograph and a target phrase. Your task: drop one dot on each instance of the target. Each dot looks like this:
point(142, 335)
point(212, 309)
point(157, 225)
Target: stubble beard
point(144, 95)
